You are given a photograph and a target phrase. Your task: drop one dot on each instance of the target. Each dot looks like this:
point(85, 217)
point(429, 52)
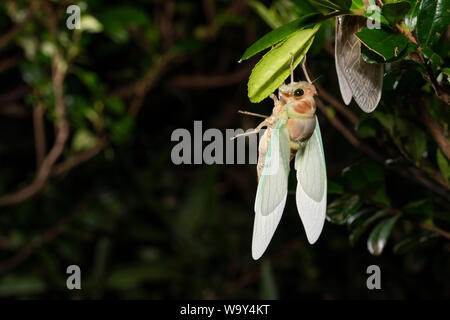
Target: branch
point(39, 133)
point(211, 81)
point(85, 156)
point(62, 133)
point(344, 110)
point(348, 134)
point(9, 63)
point(8, 36)
point(436, 130)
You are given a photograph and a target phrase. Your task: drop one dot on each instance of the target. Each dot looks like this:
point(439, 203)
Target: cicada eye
point(299, 92)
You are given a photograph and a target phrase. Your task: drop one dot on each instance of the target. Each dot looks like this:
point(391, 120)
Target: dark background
point(141, 227)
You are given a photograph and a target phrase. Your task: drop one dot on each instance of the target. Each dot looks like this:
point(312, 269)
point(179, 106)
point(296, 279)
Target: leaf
point(367, 128)
point(363, 220)
point(14, 285)
point(269, 16)
point(414, 138)
point(413, 242)
point(83, 140)
point(269, 290)
point(279, 34)
point(443, 164)
point(411, 16)
point(380, 234)
point(116, 21)
point(386, 120)
point(333, 187)
point(433, 57)
point(394, 12)
point(343, 5)
point(341, 209)
point(419, 207)
point(121, 130)
point(387, 45)
point(90, 24)
point(273, 68)
point(432, 21)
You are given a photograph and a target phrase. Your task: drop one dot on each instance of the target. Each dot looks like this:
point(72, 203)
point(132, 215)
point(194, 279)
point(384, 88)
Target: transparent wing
point(356, 77)
point(346, 92)
point(311, 195)
point(272, 189)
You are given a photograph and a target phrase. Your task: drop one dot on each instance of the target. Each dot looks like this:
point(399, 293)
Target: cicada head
point(299, 96)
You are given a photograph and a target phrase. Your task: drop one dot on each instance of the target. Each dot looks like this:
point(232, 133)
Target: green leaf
point(273, 68)
point(432, 21)
point(367, 128)
point(333, 187)
point(343, 5)
point(83, 140)
point(362, 221)
point(413, 242)
point(269, 290)
point(279, 34)
point(394, 12)
point(411, 16)
point(386, 120)
point(357, 5)
point(341, 209)
point(116, 21)
point(90, 24)
point(433, 57)
point(14, 285)
point(443, 164)
point(121, 130)
point(385, 44)
point(380, 234)
point(414, 138)
point(419, 207)
point(269, 16)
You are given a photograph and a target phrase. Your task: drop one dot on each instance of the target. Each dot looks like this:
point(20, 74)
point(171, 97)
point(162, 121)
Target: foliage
point(396, 44)
point(86, 177)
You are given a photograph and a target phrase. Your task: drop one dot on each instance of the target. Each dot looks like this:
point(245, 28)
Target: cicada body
point(293, 130)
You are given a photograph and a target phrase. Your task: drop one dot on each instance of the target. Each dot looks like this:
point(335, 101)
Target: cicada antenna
point(304, 69)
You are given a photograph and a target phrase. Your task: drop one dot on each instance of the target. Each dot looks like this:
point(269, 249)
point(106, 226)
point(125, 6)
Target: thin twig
point(8, 36)
point(39, 133)
point(212, 81)
point(436, 130)
point(344, 110)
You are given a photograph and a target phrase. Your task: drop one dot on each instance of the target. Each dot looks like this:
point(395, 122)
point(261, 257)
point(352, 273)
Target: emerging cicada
point(292, 130)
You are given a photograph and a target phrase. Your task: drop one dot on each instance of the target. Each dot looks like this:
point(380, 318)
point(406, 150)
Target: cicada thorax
point(296, 105)
point(300, 109)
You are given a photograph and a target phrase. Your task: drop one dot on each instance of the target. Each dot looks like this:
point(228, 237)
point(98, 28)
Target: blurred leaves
point(380, 234)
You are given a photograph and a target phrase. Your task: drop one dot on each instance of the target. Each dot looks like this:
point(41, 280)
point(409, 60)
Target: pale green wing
point(356, 78)
point(311, 195)
point(272, 189)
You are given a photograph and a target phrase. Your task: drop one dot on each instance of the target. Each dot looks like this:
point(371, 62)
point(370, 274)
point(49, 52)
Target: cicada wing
point(346, 92)
point(311, 195)
point(356, 78)
point(272, 189)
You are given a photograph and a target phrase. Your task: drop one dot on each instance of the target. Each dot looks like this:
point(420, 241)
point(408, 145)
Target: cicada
point(357, 79)
point(292, 133)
